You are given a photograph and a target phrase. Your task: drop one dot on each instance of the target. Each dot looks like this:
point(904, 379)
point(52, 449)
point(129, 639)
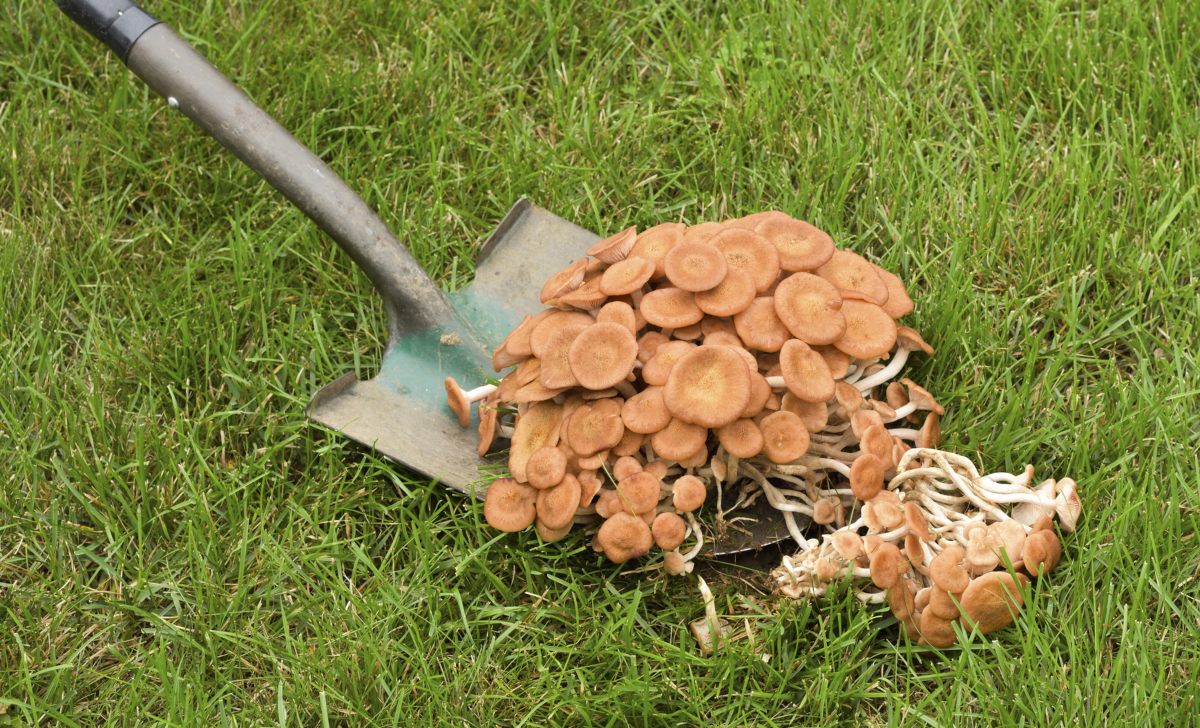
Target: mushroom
point(619, 312)
point(991, 601)
point(694, 266)
point(801, 246)
point(869, 332)
point(760, 327)
point(810, 308)
point(709, 386)
point(613, 249)
point(851, 272)
point(640, 492)
point(866, 476)
point(602, 355)
point(556, 506)
point(678, 441)
point(1041, 549)
point(747, 250)
point(646, 412)
point(623, 537)
point(654, 244)
point(668, 530)
point(805, 372)
point(546, 467)
point(656, 371)
point(688, 493)
point(566, 280)
point(741, 438)
point(460, 399)
point(785, 438)
point(595, 427)
point(509, 506)
point(626, 276)
point(730, 297)
point(670, 308)
point(537, 427)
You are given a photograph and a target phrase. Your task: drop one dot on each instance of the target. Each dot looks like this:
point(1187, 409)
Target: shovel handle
point(190, 84)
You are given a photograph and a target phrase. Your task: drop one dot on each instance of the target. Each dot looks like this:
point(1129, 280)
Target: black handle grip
point(119, 23)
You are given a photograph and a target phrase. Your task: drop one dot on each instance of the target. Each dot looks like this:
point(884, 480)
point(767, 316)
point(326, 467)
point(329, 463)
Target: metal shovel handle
point(189, 83)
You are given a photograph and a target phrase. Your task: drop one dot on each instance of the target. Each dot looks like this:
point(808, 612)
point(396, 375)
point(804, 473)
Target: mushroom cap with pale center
point(811, 308)
point(602, 355)
point(805, 372)
point(670, 308)
point(614, 248)
point(785, 438)
point(688, 493)
point(887, 565)
point(847, 544)
point(866, 476)
point(668, 530)
point(731, 296)
point(709, 386)
point(537, 427)
point(626, 276)
point(640, 492)
point(619, 312)
point(678, 441)
point(658, 369)
point(556, 506)
point(747, 250)
point(741, 438)
point(623, 537)
point(695, 266)
point(991, 601)
point(595, 427)
point(760, 327)
point(801, 246)
point(654, 243)
point(509, 506)
point(869, 333)
point(645, 412)
point(546, 467)
point(814, 415)
point(849, 271)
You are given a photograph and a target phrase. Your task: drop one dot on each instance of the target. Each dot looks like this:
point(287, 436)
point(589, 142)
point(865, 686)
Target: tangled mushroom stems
point(692, 371)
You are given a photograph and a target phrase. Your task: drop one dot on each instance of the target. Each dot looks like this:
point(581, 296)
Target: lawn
point(178, 545)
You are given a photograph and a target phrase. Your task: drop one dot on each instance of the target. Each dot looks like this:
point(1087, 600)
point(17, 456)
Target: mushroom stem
point(891, 370)
point(474, 395)
point(903, 411)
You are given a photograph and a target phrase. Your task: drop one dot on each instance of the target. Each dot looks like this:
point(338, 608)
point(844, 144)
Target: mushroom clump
point(708, 367)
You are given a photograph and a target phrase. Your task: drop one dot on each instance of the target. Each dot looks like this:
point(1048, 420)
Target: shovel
point(402, 412)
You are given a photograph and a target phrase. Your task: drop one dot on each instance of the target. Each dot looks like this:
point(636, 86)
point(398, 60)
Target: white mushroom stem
point(872, 597)
point(832, 464)
point(902, 411)
point(776, 382)
point(474, 395)
point(887, 373)
point(905, 433)
point(694, 527)
point(505, 431)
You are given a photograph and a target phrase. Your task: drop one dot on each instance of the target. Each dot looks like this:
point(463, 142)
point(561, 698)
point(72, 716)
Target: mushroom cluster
point(732, 362)
point(942, 544)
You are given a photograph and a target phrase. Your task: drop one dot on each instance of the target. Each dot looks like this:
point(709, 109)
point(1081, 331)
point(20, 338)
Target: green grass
point(178, 544)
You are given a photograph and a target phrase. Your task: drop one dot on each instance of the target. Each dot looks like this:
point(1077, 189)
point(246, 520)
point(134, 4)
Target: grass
point(179, 546)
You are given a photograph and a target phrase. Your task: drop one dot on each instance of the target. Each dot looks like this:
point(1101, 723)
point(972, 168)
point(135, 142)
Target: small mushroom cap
point(992, 601)
point(709, 386)
point(785, 438)
point(731, 296)
point(548, 331)
point(595, 427)
point(609, 503)
point(760, 327)
point(1041, 552)
point(805, 372)
point(626, 276)
point(866, 476)
point(546, 467)
point(657, 467)
point(509, 506)
point(589, 485)
point(688, 493)
point(747, 250)
point(1009, 536)
point(646, 412)
point(678, 441)
point(654, 244)
point(640, 492)
point(931, 431)
point(517, 342)
point(825, 511)
point(801, 246)
point(550, 535)
point(922, 397)
point(943, 603)
point(458, 403)
point(887, 565)
point(625, 467)
point(702, 232)
point(916, 522)
point(563, 282)
point(848, 544)
point(814, 415)
point(695, 266)
point(760, 393)
point(935, 631)
point(556, 506)
point(898, 303)
point(901, 598)
point(668, 530)
point(585, 298)
point(614, 248)
point(811, 308)
point(1068, 507)
point(618, 312)
point(850, 271)
point(741, 438)
point(911, 339)
point(658, 369)
point(648, 344)
point(623, 537)
point(670, 308)
point(982, 550)
point(869, 333)
point(602, 355)
point(675, 565)
point(537, 427)
point(488, 414)
point(887, 513)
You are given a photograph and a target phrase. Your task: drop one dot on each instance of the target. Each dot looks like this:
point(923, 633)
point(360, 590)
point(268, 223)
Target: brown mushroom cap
point(626, 276)
point(898, 303)
point(658, 369)
point(811, 308)
point(648, 344)
point(785, 438)
point(731, 296)
point(702, 232)
point(517, 342)
point(877, 441)
point(708, 386)
point(614, 248)
point(910, 338)
point(550, 535)
point(935, 631)
point(814, 415)
point(901, 599)
point(670, 308)
point(626, 466)
point(586, 297)
point(546, 467)
point(687, 333)
point(916, 522)
point(623, 537)
point(609, 503)
point(825, 511)
point(458, 403)
point(678, 441)
point(848, 544)
point(866, 476)
point(947, 572)
point(688, 493)
point(801, 246)
point(547, 331)
point(869, 333)
point(564, 281)
point(991, 601)
point(1041, 549)
point(602, 355)
point(668, 531)
point(595, 427)
point(850, 271)
point(747, 250)
point(1008, 536)
point(694, 266)
point(931, 431)
point(943, 603)
point(887, 565)
point(618, 312)
point(509, 506)
point(556, 506)
point(640, 492)
point(646, 412)
point(805, 372)
point(654, 244)
point(657, 467)
point(537, 427)
point(922, 397)
point(741, 438)
point(760, 326)
point(488, 414)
